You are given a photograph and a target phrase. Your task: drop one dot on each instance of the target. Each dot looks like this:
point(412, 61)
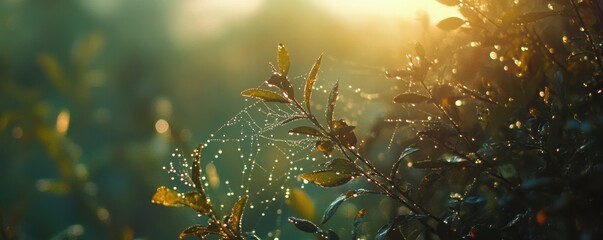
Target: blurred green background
point(86, 87)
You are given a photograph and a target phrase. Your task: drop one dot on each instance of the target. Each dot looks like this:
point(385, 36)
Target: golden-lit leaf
point(450, 23)
point(283, 59)
point(264, 95)
point(200, 231)
point(310, 83)
point(345, 133)
point(325, 147)
point(282, 82)
point(449, 2)
point(327, 178)
point(331, 104)
point(306, 131)
point(410, 98)
point(167, 197)
point(301, 204)
point(234, 221)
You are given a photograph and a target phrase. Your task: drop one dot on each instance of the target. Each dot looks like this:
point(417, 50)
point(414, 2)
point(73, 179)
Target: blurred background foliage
point(87, 88)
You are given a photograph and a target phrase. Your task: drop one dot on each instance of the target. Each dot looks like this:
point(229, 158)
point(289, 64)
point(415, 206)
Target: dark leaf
point(345, 133)
point(293, 118)
point(332, 208)
point(331, 105)
point(306, 131)
point(436, 164)
point(327, 178)
point(200, 231)
point(283, 83)
point(328, 234)
point(535, 16)
point(450, 23)
point(397, 221)
point(310, 83)
point(283, 59)
point(325, 147)
point(264, 95)
point(234, 221)
point(428, 181)
point(196, 170)
point(342, 165)
point(409, 150)
point(420, 50)
point(449, 2)
point(357, 221)
point(410, 98)
point(303, 224)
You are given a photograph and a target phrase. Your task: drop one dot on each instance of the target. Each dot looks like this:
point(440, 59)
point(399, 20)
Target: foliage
point(510, 146)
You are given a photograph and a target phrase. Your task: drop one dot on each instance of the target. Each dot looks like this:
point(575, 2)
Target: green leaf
point(306, 131)
point(409, 150)
point(410, 98)
point(310, 83)
point(342, 165)
point(283, 59)
point(450, 23)
point(283, 83)
point(327, 178)
point(325, 147)
point(303, 224)
point(234, 221)
point(420, 50)
point(200, 231)
point(332, 208)
point(449, 2)
point(264, 95)
point(331, 105)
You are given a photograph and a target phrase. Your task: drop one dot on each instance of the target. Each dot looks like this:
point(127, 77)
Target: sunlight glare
point(356, 10)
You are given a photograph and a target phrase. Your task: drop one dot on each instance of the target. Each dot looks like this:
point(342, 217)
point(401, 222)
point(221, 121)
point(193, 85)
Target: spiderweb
point(253, 154)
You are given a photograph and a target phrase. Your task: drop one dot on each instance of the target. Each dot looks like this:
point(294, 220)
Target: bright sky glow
point(357, 10)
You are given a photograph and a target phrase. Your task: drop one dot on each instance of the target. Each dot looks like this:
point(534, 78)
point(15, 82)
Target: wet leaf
point(345, 133)
point(283, 59)
point(327, 178)
point(200, 231)
point(283, 83)
point(301, 204)
point(325, 147)
point(357, 221)
point(251, 236)
point(407, 151)
point(450, 23)
point(342, 165)
point(167, 197)
point(196, 170)
point(328, 234)
point(234, 221)
point(264, 95)
point(449, 2)
point(332, 208)
point(420, 50)
point(303, 224)
point(306, 131)
point(331, 105)
point(410, 98)
point(310, 83)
